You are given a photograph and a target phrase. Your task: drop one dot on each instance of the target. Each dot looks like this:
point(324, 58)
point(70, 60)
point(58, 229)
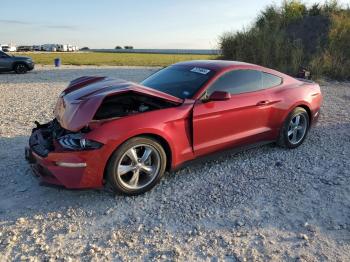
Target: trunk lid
point(78, 103)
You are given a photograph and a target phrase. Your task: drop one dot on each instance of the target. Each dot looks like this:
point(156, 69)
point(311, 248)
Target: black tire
point(117, 183)
point(20, 68)
point(284, 139)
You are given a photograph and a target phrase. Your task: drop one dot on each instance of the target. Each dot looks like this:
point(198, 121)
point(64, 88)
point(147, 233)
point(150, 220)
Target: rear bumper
point(71, 169)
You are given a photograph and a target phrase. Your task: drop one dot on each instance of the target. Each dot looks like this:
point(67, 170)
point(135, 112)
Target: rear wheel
point(136, 166)
point(20, 68)
point(295, 128)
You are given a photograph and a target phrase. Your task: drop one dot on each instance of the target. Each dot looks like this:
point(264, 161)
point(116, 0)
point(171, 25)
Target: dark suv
point(19, 64)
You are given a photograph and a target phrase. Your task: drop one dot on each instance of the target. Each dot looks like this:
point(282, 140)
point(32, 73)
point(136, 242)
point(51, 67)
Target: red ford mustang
point(129, 134)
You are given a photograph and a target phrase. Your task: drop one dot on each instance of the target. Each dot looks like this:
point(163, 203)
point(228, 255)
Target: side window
point(238, 81)
point(271, 80)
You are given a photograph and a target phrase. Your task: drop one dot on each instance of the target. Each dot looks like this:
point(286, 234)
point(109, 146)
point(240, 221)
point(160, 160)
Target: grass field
point(115, 59)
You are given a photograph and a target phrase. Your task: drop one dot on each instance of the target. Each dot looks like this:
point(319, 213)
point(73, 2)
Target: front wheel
point(20, 68)
point(136, 166)
point(295, 128)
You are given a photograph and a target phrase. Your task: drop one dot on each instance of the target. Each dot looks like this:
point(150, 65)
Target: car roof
point(223, 65)
point(216, 65)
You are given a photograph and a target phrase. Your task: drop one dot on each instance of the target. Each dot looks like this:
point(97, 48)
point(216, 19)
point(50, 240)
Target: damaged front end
point(61, 151)
point(43, 135)
point(51, 136)
point(62, 157)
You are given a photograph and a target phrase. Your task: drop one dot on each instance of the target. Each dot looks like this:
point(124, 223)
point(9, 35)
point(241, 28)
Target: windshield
point(179, 81)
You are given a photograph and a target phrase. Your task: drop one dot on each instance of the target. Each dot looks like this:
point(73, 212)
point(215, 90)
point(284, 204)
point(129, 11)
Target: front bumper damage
point(53, 165)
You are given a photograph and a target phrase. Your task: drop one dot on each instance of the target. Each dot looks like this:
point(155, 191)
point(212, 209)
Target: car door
point(242, 119)
point(5, 61)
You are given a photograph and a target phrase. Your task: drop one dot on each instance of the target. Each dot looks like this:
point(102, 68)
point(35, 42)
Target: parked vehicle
point(25, 48)
point(49, 47)
point(4, 48)
point(71, 48)
point(128, 134)
point(19, 64)
point(8, 48)
point(62, 48)
point(36, 47)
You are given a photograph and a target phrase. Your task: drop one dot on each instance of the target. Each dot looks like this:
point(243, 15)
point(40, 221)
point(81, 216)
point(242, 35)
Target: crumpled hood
point(78, 103)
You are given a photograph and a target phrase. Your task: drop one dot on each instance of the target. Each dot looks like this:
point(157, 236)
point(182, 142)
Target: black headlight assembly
point(77, 142)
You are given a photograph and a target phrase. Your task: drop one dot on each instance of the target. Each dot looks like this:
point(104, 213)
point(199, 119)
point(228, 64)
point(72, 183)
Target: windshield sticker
point(186, 93)
point(200, 70)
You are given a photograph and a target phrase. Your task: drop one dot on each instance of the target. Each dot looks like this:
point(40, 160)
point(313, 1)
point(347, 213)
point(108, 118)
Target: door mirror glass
point(219, 96)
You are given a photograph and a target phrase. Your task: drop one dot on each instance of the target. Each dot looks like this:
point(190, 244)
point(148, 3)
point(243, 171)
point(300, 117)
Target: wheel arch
point(307, 109)
point(299, 104)
point(164, 143)
point(18, 63)
point(281, 140)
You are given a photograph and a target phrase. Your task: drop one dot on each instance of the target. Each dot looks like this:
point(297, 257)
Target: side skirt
point(223, 153)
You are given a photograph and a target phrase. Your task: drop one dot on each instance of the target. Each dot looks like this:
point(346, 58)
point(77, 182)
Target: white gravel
point(263, 204)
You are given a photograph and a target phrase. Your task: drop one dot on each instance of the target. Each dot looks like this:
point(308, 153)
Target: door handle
point(263, 103)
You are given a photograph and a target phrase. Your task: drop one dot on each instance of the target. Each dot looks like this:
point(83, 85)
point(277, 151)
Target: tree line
point(294, 35)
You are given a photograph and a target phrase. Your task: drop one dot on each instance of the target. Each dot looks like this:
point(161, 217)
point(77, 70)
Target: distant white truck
point(8, 48)
point(62, 48)
point(72, 48)
point(49, 47)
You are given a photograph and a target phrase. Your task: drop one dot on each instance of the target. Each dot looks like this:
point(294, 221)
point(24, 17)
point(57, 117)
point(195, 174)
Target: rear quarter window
point(270, 80)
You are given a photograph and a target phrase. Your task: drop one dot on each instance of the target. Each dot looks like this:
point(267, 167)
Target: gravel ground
point(263, 204)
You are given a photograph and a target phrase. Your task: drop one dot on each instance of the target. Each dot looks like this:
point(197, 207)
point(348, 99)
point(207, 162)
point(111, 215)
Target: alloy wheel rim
point(297, 129)
point(138, 166)
point(20, 68)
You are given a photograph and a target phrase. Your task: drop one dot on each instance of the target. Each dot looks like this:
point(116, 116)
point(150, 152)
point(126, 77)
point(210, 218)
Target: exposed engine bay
point(128, 104)
point(44, 135)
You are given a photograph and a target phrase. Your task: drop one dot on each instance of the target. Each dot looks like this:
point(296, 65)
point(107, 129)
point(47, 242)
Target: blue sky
point(142, 24)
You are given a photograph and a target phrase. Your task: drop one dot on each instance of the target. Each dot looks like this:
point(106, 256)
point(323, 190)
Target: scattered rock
point(278, 164)
point(303, 236)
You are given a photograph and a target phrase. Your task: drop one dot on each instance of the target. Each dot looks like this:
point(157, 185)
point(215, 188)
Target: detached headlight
point(77, 142)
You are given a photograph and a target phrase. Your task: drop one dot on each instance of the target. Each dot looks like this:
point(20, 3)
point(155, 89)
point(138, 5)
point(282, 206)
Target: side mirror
point(219, 96)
